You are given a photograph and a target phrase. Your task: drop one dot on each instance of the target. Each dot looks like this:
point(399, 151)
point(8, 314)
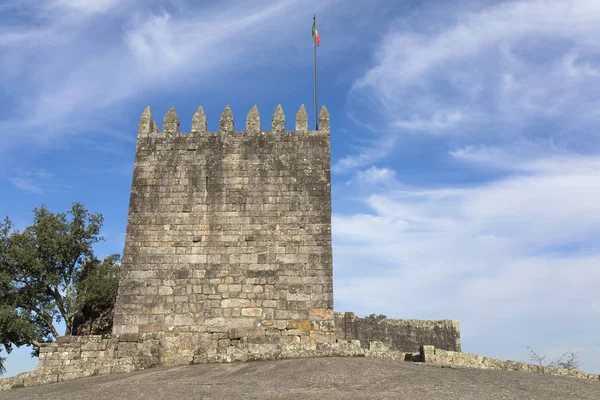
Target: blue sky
point(464, 143)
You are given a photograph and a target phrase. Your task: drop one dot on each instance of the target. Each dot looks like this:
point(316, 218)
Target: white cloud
point(367, 155)
point(527, 156)
point(35, 181)
point(96, 54)
point(375, 176)
point(495, 255)
point(85, 6)
point(515, 69)
point(439, 121)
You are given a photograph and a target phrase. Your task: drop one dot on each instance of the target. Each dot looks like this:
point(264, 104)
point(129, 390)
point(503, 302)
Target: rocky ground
point(315, 378)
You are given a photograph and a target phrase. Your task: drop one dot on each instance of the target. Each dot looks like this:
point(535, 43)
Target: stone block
point(68, 376)
point(222, 288)
point(34, 379)
point(252, 312)
point(180, 319)
point(235, 288)
point(235, 303)
point(298, 324)
point(94, 346)
point(378, 346)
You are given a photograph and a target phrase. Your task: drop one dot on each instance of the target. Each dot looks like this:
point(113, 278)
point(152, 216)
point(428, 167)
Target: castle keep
point(228, 257)
point(228, 236)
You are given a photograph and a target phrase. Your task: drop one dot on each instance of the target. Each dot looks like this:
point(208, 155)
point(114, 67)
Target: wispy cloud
point(99, 53)
point(367, 155)
point(512, 70)
point(527, 156)
point(493, 254)
point(438, 122)
point(539, 61)
point(37, 182)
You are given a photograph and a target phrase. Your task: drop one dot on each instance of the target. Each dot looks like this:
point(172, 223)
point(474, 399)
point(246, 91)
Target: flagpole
point(315, 69)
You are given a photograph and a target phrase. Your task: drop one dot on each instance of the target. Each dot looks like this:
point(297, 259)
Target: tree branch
point(44, 317)
point(52, 329)
point(59, 301)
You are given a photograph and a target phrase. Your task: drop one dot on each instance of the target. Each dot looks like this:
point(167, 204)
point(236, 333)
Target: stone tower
point(228, 237)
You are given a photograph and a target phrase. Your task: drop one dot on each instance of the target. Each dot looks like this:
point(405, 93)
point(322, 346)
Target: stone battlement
point(149, 128)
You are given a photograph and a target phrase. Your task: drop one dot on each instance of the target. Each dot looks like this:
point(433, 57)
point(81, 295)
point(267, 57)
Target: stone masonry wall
point(73, 357)
point(228, 237)
point(405, 335)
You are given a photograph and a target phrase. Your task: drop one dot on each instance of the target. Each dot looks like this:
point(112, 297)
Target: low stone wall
point(435, 356)
point(87, 356)
point(78, 357)
point(73, 357)
point(405, 335)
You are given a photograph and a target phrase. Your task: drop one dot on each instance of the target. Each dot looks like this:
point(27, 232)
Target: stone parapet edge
point(428, 355)
point(432, 356)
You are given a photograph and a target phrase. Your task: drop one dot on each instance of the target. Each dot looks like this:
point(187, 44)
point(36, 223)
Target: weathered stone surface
point(302, 119)
point(433, 355)
point(324, 119)
point(317, 378)
point(145, 125)
point(227, 231)
point(226, 122)
point(171, 122)
point(278, 120)
point(253, 120)
point(241, 345)
point(399, 334)
point(199, 122)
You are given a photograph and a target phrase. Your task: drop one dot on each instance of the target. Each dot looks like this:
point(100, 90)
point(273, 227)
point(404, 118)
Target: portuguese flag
point(315, 34)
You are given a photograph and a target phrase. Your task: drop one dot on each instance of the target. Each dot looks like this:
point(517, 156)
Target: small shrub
point(373, 316)
point(568, 360)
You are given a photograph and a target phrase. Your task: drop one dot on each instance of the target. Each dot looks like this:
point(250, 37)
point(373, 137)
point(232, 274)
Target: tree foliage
point(42, 269)
point(96, 295)
point(378, 317)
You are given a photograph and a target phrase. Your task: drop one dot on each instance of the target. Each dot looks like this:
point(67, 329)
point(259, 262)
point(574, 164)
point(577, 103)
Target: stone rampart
point(78, 357)
point(439, 357)
point(405, 335)
point(73, 357)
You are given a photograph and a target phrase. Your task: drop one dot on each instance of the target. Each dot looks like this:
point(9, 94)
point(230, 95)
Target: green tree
point(41, 270)
point(96, 295)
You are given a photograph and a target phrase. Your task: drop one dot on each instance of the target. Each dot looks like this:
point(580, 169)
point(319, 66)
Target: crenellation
point(253, 120)
point(199, 122)
point(278, 120)
point(302, 119)
point(145, 125)
point(226, 123)
point(324, 119)
point(171, 122)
